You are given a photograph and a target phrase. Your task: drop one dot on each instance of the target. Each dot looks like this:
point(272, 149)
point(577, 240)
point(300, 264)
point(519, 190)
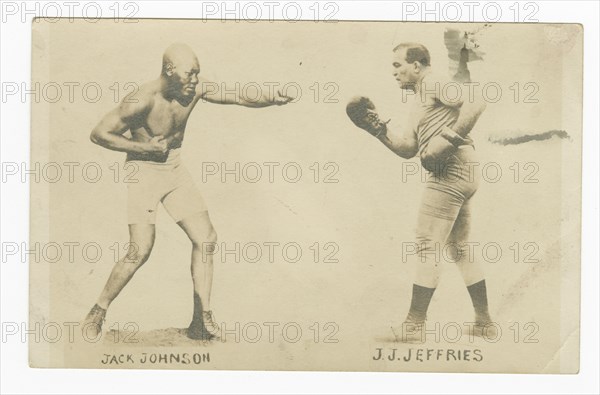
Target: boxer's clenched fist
point(157, 145)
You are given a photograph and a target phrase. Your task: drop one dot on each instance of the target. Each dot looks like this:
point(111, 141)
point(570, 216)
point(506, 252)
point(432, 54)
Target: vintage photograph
point(348, 196)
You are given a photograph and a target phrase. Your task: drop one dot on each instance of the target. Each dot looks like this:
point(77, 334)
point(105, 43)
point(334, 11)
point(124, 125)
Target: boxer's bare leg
point(199, 229)
point(141, 241)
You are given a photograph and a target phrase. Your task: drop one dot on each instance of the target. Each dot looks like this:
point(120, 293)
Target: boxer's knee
point(456, 252)
point(212, 236)
point(428, 250)
point(138, 253)
point(206, 240)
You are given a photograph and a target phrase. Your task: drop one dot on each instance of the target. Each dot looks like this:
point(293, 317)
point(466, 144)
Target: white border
point(17, 377)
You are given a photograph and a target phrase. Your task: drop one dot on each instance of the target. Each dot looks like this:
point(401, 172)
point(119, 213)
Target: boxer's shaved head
point(180, 69)
point(178, 55)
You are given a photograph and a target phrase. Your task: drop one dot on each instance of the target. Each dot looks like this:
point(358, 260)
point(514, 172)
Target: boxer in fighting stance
point(439, 133)
point(156, 116)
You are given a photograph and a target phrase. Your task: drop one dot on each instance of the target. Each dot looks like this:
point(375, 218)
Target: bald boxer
point(156, 117)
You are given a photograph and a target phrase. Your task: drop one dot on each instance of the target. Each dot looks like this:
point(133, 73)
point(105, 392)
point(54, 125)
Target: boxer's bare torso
point(159, 116)
point(156, 117)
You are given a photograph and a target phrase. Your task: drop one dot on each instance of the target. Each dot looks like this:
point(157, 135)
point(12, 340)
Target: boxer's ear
point(169, 69)
point(417, 66)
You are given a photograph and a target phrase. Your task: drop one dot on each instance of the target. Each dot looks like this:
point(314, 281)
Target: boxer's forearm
point(238, 99)
point(402, 146)
point(263, 101)
point(226, 95)
point(469, 114)
point(267, 99)
point(116, 142)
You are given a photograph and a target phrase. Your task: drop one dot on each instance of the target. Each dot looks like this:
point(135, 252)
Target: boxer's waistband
point(170, 158)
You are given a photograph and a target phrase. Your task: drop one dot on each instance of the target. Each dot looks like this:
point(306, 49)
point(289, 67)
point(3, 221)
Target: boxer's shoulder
point(141, 100)
point(436, 77)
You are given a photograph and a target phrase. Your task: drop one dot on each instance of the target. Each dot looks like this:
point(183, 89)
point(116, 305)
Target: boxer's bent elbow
point(94, 137)
point(97, 137)
point(407, 153)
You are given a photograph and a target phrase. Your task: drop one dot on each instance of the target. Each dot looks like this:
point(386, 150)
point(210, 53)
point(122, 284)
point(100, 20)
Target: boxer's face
point(185, 77)
point(405, 73)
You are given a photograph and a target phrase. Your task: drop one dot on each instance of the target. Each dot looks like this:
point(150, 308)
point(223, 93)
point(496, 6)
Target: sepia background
point(368, 213)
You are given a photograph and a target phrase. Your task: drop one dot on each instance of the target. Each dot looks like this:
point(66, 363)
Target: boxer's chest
point(167, 118)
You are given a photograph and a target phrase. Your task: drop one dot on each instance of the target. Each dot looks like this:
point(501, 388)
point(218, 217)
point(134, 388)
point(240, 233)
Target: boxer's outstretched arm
point(129, 115)
point(403, 144)
point(261, 96)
